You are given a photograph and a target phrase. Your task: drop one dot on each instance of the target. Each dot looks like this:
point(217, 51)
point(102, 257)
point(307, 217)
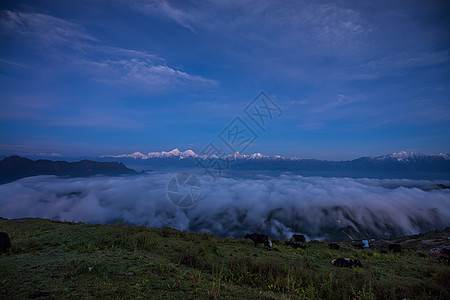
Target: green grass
point(80, 261)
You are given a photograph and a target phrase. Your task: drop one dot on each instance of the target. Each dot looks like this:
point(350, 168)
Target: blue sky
point(353, 78)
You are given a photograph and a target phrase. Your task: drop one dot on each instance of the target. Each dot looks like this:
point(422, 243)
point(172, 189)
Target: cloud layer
point(321, 208)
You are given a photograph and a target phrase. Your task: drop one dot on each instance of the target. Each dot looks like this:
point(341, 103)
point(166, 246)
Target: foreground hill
point(63, 260)
point(16, 167)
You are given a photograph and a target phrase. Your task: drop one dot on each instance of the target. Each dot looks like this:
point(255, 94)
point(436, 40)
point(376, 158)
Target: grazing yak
point(333, 246)
point(446, 251)
point(5, 242)
point(395, 248)
point(295, 245)
point(299, 238)
point(346, 262)
point(359, 245)
point(259, 238)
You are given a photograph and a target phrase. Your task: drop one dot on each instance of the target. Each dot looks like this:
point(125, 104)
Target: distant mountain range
point(410, 165)
point(175, 153)
point(16, 167)
point(395, 165)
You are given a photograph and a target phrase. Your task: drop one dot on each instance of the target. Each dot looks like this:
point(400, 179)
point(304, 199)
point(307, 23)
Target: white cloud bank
point(279, 206)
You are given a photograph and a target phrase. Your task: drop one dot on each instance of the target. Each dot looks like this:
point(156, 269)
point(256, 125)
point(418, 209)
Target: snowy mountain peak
point(185, 154)
point(404, 156)
point(174, 152)
point(188, 153)
point(134, 155)
point(256, 155)
point(445, 156)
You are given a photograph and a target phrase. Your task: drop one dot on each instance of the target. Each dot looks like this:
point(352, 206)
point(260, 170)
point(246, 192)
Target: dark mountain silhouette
point(16, 167)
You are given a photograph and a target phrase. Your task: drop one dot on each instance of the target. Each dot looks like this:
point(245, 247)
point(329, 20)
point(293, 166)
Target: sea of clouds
point(320, 208)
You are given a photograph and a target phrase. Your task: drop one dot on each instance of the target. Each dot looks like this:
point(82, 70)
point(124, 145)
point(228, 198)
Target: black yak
point(333, 246)
point(295, 245)
point(446, 251)
point(5, 242)
point(396, 248)
point(259, 238)
point(359, 245)
point(299, 238)
point(346, 262)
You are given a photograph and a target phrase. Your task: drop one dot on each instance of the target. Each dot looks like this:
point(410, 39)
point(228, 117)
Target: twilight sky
point(353, 78)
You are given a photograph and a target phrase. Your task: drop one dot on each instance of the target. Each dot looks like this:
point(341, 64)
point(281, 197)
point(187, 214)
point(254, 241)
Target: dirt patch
point(431, 242)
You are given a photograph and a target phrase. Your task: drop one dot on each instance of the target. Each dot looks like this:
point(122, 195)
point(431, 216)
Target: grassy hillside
point(61, 260)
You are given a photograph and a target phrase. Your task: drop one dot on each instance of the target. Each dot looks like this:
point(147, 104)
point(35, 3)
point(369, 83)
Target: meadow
point(63, 260)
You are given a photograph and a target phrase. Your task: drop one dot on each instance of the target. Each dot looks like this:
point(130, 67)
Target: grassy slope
point(55, 257)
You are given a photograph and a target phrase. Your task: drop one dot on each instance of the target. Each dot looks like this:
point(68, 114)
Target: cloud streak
point(323, 25)
point(322, 208)
point(145, 75)
point(70, 44)
point(42, 27)
point(345, 34)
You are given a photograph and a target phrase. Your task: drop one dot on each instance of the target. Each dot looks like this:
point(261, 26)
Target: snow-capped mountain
point(402, 156)
point(395, 165)
point(163, 154)
point(176, 153)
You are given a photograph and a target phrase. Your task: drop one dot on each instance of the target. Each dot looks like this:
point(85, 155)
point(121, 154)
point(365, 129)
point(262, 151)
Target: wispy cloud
point(178, 15)
point(44, 28)
point(146, 76)
point(46, 154)
point(347, 37)
point(397, 64)
point(341, 100)
point(70, 43)
point(264, 21)
point(16, 64)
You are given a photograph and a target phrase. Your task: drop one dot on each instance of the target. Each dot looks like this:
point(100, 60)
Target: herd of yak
point(295, 242)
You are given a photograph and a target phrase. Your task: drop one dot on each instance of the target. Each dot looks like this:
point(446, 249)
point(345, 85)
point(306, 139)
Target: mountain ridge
point(408, 165)
point(16, 167)
point(399, 156)
point(403, 164)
